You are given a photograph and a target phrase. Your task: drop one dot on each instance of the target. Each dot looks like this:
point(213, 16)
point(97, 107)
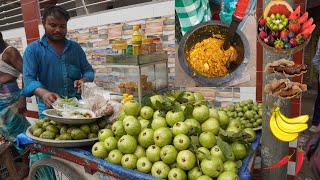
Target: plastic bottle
point(141, 31)
point(136, 41)
point(136, 35)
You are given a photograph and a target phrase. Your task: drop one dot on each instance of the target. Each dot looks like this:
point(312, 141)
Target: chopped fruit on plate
point(284, 34)
point(275, 34)
point(278, 44)
point(282, 27)
point(275, 7)
point(303, 18)
point(263, 34)
point(262, 22)
point(296, 41)
point(287, 45)
point(277, 22)
point(307, 32)
point(269, 40)
point(295, 14)
point(307, 24)
point(294, 27)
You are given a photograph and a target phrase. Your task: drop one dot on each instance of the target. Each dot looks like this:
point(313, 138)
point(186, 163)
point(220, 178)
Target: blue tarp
point(244, 172)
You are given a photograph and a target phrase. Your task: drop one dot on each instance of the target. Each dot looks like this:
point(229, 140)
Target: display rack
point(140, 76)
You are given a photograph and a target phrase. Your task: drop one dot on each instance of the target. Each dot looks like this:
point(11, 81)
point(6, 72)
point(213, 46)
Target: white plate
point(61, 143)
point(53, 115)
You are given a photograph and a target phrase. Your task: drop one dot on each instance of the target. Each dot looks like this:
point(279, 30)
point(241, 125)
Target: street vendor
point(12, 104)
point(53, 65)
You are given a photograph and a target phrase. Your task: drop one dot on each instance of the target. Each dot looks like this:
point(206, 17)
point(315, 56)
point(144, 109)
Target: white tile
point(163, 9)
point(84, 21)
point(291, 168)
point(248, 89)
point(130, 13)
point(245, 96)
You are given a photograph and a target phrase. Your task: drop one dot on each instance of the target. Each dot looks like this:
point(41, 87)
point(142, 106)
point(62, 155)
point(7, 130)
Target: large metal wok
point(203, 31)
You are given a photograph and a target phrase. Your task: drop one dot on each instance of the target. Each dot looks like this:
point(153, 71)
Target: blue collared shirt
point(43, 67)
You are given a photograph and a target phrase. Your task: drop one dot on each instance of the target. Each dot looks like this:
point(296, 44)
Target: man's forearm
point(85, 79)
point(40, 92)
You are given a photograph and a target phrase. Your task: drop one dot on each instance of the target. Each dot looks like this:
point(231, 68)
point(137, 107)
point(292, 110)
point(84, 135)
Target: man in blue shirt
point(54, 66)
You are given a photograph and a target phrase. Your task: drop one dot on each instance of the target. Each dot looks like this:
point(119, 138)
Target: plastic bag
point(97, 99)
point(61, 104)
point(78, 113)
point(117, 108)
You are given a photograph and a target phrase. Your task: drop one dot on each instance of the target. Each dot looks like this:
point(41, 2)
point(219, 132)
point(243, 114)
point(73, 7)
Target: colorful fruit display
point(177, 136)
point(287, 129)
point(49, 129)
point(282, 28)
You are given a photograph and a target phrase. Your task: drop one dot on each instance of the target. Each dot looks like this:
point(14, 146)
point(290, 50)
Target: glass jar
point(146, 46)
point(119, 47)
point(152, 46)
point(158, 44)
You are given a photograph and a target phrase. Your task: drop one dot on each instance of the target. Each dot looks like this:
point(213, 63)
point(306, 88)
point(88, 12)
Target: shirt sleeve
point(316, 58)
point(30, 71)
point(86, 68)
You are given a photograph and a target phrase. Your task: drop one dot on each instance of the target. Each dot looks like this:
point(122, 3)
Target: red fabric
point(215, 16)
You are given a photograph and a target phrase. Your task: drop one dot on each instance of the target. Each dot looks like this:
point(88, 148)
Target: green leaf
point(224, 147)
point(207, 156)
point(162, 113)
point(195, 141)
point(181, 99)
point(239, 164)
point(177, 107)
point(188, 111)
point(159, 105)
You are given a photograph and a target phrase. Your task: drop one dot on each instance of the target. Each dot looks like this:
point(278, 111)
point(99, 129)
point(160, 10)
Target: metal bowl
point(61, 143)
point(53, 115)
point(203, 31)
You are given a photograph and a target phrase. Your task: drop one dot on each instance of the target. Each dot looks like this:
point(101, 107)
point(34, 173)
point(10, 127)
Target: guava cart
point(83, 157)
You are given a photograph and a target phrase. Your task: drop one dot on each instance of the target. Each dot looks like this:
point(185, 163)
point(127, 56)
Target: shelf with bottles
point(142, 59)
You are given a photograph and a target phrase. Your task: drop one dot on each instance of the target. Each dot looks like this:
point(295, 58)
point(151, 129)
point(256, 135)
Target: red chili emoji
point(300, 160)
point(282, 162)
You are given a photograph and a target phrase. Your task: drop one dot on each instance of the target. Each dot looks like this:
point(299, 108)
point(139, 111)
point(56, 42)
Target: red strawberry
point(262, 22)
point(263, 35)
point(294, 42)
point(284, 34)
point(294, 27)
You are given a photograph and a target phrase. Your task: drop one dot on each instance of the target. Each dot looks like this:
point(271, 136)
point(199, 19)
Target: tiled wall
point(96, 39)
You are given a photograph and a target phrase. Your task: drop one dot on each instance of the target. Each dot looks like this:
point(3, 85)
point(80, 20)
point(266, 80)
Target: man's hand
point(49, 98)
point(78, 84)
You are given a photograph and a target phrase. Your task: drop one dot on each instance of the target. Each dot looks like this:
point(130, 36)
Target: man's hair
point(3, 44)
point(55, 11)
